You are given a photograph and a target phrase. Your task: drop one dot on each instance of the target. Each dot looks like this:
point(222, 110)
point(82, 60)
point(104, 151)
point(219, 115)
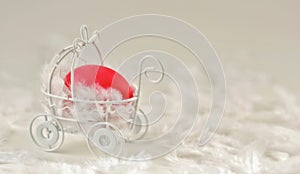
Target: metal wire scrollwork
point(139, 123)
point(147, 70)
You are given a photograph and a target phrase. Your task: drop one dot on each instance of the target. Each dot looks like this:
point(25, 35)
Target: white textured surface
point(259, 134)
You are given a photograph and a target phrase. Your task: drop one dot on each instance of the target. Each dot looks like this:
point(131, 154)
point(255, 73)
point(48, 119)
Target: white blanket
point(259, 133)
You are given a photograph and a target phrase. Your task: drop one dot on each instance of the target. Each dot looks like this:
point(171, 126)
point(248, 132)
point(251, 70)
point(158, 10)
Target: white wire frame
point(75, 49)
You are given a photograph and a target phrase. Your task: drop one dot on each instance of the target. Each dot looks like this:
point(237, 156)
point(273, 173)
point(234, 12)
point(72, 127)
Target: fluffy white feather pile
point(86, 112)
point(259, 133)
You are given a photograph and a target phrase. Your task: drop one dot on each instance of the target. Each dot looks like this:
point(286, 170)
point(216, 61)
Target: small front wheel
point(46, 132)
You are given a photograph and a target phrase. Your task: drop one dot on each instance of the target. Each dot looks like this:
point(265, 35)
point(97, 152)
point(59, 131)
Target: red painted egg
point(89, 75)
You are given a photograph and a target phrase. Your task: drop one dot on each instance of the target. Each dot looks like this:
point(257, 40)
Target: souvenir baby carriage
point(86, 95)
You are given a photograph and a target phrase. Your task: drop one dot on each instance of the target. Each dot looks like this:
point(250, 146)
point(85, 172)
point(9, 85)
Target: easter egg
point(91, 75)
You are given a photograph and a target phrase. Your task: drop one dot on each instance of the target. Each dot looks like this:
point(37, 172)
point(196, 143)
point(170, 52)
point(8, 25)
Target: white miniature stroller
point(108, 110)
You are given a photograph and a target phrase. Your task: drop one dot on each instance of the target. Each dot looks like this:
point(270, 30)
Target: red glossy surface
point(90, 75)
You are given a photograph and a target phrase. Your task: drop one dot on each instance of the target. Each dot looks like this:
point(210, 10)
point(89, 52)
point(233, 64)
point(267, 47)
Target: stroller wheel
point(46, 132)
point(105, 138)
